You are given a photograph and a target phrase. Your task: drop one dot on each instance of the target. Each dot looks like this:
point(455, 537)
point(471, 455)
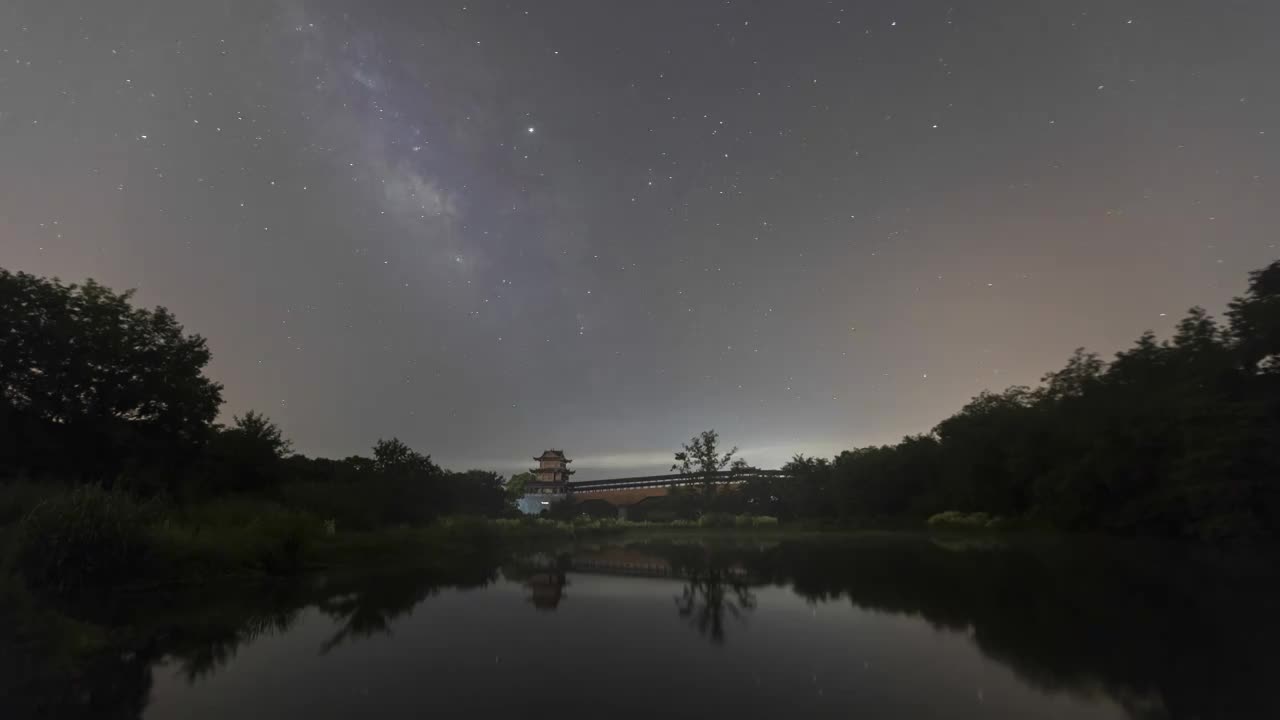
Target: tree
point(1082, 373)
point(982, 448)
point(1255, 319)
point(807, 492)
point(81, 368)
point(701, 457)
point(248, 455)
point(478, 492)
point(393, 456)
point(261, 432)
point(515, 485)
point(410, 487)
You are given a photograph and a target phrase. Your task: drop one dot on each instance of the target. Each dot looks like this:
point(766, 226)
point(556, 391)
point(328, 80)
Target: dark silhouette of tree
point(701, 457)
point(393, 456)
point(260, 431)
point(81, 367)
point(1255, 320)
point(1175, 437)
point(477, 492)
point(247, 455)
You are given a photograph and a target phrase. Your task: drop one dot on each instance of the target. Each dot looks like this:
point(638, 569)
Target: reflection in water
point(543, 575)
point(1160, 631)
point(712, 588)
point(707, 596)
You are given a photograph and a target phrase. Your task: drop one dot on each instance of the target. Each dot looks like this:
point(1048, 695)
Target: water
point(872, 627)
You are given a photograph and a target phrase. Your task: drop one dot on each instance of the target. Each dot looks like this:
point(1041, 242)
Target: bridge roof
point(681, 478)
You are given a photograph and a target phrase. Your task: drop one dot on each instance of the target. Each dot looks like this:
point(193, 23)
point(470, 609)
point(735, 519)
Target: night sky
point(490, 228)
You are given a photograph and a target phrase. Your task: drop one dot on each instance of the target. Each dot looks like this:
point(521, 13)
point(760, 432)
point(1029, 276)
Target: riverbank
point(61, 544)
point(73, 543)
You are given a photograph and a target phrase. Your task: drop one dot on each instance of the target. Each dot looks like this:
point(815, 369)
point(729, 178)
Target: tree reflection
point(198, 633)
point(715, 587)
point(363, 608)
point(1165, 632)
point(207, 649)
point(708, 595)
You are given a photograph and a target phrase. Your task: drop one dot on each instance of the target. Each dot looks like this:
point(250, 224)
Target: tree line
point(96, 391)
point(1176, 437)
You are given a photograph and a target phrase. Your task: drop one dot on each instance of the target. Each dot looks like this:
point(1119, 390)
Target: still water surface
point(883, 627)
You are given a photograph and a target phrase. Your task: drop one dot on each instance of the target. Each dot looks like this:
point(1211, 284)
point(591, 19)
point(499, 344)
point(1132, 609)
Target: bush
point(281, 541)
point(85, 538)
point(955, 520)
point(351, 505)
point(18, 497)
point(229, 511)
point(234, 534)
point(716, 520)
point(726, 520)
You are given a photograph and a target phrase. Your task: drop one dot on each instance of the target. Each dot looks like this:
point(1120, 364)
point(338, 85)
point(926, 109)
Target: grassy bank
point(59, 542)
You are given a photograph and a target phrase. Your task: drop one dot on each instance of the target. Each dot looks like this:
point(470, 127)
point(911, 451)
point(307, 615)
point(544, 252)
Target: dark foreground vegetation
point(113, 469)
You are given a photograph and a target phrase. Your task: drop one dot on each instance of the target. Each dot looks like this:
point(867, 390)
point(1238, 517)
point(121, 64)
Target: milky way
point(492, 228)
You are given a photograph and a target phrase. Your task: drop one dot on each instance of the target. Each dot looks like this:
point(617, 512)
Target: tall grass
point(18, 497)
point(84, 538)
point(236, 533)
point(955, 520)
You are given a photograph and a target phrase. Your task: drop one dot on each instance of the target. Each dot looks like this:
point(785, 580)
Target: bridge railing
point(725, 477)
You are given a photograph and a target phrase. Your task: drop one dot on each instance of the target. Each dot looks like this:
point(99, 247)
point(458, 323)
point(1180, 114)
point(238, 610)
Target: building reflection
point(715, 591)
point(546, 589)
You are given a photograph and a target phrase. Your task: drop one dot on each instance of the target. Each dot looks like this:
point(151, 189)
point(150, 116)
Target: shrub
point(233, 535)
point(84, 538)
point(280, 541)
point(18, 497)
point(469, 531)
point(762, 521)
point(230, 511)
point(953, 519)
point(351, 505)
point(716, 520)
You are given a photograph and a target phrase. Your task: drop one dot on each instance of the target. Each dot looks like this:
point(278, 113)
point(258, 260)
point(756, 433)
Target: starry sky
point(489, 228)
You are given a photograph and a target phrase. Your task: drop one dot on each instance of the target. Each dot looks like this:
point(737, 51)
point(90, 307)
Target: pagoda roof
point(553, 455)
